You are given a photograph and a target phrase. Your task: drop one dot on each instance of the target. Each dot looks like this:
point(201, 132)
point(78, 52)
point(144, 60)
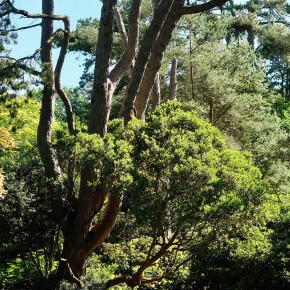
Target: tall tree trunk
point(102, 87)
point(173, 80)
point(81, 234)
point(142, 104)
point(44, 130)
point(156, 93)
point(152, 66)
point(128, 109)
point(191, 66)
point(154, 62)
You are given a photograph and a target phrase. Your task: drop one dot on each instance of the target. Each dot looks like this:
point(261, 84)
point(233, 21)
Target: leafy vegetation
point(193, 196)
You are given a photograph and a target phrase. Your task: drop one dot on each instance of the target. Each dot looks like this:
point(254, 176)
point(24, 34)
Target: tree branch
point(131, 47)
point(20, 28)
point(121, 26)
point(57, 74)
point(161, 12)
point(201, 7)
point(137, 278)
point(17, 63)
point(101, 230)
point(23, 67)
point(154, 61)
point(37, 15)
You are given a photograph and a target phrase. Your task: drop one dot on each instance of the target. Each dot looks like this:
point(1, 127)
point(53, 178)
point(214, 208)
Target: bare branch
point(72, 277)
point(121, 26)
point(132, 43)
point(2, 32)
point(57, 75)
point(37, 15)
point(201, 7)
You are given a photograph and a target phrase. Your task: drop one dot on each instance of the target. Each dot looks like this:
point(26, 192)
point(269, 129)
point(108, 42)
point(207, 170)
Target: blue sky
point(29, 40)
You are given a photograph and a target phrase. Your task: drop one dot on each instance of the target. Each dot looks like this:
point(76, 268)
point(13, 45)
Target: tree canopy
point(115, 183)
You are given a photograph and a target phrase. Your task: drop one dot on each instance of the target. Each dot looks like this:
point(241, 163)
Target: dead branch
point(2, 32)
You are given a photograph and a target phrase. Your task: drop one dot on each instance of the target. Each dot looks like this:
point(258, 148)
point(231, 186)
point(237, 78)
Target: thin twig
point(2, 32)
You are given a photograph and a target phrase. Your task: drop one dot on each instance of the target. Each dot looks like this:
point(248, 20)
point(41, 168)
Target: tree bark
point(102, 87)
point(156, 93)
point(173, 81)
point(161, 12)
point(58, 69)
point(44, 130)
point(121, 27)
point(132, 43)
point(154, 62)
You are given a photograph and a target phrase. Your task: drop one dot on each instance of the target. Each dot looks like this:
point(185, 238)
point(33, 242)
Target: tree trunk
point(44, 130)
point(142, 104)
point(154, 63)
point(128, 109)
point(78, 223)
point(156, 93)
point(102, 87)
point(173, 81)
point(75, 217)
point(82, 238)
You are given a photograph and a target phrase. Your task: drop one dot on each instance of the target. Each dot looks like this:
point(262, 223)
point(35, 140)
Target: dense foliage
point(203, 183)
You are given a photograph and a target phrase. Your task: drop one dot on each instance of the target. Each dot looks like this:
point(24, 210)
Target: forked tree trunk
point(128, 110)
point(75, 217)
point(81, 234)
point(79, 242)
point(81, 239)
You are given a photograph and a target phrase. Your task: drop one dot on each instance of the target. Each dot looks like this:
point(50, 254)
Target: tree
point(28, 231)
point(265, 25)
point(75, 205)
point(189, 191)
point(10, 75)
